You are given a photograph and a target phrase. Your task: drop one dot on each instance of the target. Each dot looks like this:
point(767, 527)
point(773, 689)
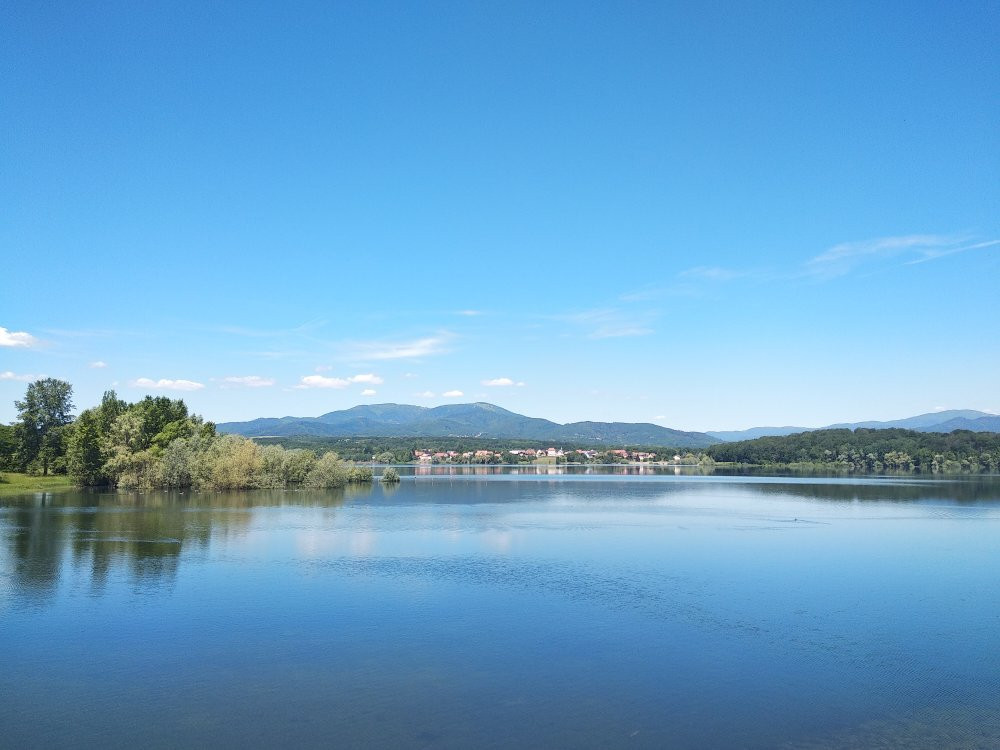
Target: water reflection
point(146, 534)
point(460, 606)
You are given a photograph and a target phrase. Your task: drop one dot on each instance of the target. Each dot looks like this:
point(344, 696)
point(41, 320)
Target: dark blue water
point(507, 611)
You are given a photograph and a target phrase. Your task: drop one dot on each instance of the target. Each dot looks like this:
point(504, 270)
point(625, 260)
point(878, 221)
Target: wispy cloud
point(368, 392)
point(643, 294)
point(24, 378)
point(427, 346)
point(367, 377)
point(425, 394)
point(713, 273)
point(846, 257)
point(452, 394)
point(930, 254)
point(165, 384)
point(612, 322)
point(98, 365)
point(265, 333)
point(502, 383)
point(19, 339)
point(470, 313)
point(249, 381)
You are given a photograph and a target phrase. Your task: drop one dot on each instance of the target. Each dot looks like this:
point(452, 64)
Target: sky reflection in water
point(527, 611)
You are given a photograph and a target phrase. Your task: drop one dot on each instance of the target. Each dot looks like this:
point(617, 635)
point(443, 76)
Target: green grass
point(12, 483)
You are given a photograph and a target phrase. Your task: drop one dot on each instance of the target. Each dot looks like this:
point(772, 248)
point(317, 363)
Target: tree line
point(871, 451)
point(155, 442)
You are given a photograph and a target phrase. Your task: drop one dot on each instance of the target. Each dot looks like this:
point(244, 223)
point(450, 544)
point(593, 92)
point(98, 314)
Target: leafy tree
point(298, 464)
point(329, 471)
point(231, 463)
point(8, 447)
point(42, 415)
point(84, 452)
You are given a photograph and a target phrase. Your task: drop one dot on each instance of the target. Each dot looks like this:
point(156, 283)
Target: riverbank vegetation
point(869, 451)
point(152, 443)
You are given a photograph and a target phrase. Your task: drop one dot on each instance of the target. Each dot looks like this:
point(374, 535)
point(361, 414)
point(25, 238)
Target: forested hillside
point(871, 450)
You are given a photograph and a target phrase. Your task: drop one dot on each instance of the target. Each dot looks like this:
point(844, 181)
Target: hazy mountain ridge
point(948, 420)
point(490, 421)
point(469, 420)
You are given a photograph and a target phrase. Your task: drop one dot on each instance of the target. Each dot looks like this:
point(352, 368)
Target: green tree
point(329, 471)
point(8, 447)
point(85, 456)
point(41, 416)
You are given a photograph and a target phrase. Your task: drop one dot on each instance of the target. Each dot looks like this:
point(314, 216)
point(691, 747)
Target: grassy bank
point(12, 483)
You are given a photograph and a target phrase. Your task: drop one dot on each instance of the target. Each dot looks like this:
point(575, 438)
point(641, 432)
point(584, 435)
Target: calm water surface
point(500, 609)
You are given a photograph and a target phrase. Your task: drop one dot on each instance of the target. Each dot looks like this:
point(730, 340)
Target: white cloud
point(930, 254)
point(249, 381)
point(25, 378)
point(324, 368)
point(502, 383)
point(452, 394)
point(841, 259)
point(17, 338)
point(409, 375)
point(368, 392)
point(425, 394)
point(163, 384)
point(470, 313)
point(611, 322)
point(848, 257)
point(321, 381)
point(99, 365)
point(381, 350)
point(498, 382)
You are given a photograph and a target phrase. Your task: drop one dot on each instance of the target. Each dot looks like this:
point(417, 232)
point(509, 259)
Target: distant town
point(552, 455)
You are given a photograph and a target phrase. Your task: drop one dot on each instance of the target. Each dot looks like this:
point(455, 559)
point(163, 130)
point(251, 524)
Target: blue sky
point(709, 216)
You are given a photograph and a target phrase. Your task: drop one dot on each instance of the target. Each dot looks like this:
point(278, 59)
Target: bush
point(390, 475)
point(328, 472)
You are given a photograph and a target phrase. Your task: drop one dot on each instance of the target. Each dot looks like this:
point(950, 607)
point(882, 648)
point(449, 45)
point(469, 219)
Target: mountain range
point(490, 421)
point(937, 421)
point(464, 420)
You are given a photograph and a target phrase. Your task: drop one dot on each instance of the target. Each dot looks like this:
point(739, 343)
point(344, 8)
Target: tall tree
point(8, 447)
point(41, 416)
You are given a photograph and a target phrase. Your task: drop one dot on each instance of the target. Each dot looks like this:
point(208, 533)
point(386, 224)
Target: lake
point(472, 608)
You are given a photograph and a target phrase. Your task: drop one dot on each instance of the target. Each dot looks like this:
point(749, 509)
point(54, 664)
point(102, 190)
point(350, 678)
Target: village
point(551, 455)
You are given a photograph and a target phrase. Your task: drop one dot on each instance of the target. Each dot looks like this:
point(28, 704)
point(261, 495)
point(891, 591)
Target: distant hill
point(937, 421)
point(729, 436)
point(921, 423)
point(466, 420)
